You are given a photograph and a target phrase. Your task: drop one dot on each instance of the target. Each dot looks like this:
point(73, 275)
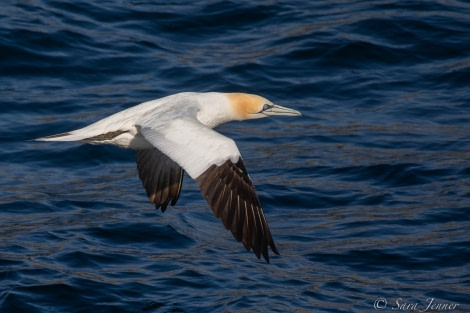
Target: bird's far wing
point(160, 176)
point(214, 161)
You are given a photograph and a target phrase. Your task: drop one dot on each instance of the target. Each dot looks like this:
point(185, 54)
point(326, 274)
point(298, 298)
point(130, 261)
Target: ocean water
point(367, 194)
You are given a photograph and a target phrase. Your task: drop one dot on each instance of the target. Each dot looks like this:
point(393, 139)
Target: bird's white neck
point(214, 109)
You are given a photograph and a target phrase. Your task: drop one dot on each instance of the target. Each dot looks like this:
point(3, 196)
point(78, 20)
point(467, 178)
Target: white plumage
point(175, 133)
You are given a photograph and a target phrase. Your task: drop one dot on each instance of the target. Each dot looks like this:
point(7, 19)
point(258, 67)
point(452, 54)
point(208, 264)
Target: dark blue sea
point(367, 194)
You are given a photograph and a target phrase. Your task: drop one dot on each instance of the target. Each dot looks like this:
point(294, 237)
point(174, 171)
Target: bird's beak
point(279, 110)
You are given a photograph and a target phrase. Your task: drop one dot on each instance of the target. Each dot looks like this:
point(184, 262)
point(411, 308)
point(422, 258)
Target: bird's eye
point(266, 107)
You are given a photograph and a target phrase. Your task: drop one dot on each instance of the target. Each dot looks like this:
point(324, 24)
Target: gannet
point(175, 134)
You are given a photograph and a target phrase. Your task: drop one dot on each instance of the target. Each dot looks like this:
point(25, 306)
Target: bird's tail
point(70, 136)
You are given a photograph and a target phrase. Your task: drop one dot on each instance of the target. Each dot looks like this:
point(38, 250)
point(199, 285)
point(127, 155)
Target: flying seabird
point(174, 134)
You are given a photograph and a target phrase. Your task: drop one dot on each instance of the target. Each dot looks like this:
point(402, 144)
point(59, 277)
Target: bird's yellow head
point(247, 106)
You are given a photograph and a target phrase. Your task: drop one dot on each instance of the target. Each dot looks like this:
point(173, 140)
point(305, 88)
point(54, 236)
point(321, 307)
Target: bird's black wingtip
point(266, 254)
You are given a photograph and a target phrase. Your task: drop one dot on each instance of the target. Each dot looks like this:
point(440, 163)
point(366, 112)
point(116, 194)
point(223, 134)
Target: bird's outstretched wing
point(231, 195)
point(160, 176)
point(214, 161)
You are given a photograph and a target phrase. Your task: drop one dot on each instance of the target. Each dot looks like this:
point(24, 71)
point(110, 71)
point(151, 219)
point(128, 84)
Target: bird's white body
point(177, 131)
point(212, 109)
